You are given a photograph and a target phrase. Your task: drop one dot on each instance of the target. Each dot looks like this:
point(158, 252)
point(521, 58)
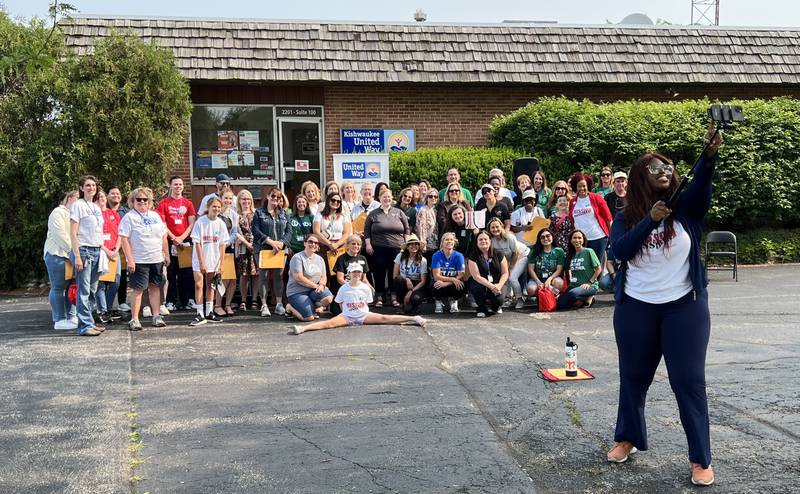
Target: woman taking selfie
point(661, 302)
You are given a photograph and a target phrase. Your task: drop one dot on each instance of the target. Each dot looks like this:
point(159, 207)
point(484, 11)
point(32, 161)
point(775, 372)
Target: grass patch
point(573, 414)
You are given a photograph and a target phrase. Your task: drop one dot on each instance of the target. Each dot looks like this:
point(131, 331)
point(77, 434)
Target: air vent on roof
point(637, 20)
point(420, 16)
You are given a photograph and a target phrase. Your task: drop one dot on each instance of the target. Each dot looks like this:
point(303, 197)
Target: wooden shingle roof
point(306, 51)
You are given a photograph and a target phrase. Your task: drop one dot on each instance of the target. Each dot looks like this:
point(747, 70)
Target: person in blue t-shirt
point(449, 273)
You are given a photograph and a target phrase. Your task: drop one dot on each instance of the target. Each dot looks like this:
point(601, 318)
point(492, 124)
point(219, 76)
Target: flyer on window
point(241, 158)
point(248, 140)
point(219, 159)
point(227, 139)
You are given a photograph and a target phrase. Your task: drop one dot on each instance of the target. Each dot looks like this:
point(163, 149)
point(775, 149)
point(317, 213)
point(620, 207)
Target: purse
point(547, 300)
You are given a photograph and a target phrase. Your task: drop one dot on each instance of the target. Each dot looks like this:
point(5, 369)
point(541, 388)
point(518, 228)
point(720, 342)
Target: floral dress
point(245, 261)
point(561, 228)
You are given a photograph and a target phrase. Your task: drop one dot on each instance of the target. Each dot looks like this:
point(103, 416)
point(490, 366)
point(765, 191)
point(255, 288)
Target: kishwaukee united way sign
point(376, 140)
point(360, 168)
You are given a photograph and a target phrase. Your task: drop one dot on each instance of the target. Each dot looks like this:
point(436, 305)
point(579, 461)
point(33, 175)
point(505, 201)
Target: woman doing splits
point(354, 298)
point(662, 303)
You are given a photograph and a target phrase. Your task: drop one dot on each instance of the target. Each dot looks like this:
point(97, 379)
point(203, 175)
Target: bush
point(758, 164)
point(431, 164)
point(767, 246)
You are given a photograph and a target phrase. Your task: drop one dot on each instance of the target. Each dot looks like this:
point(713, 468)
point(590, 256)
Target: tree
point(120, 113)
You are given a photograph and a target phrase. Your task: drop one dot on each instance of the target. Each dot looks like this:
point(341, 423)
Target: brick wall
point(441, 115)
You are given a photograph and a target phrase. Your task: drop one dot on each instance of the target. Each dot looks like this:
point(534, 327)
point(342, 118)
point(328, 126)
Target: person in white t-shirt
point(222, 182)
point(522, 218)
point(354, 298)
point(210, 237)
point(144, 241)
point(86, 235)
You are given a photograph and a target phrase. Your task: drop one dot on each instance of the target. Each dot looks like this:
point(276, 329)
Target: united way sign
point(360, 167)
point(356, 141)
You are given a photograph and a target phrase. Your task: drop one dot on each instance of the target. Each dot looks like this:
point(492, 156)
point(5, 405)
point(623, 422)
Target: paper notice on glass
point(202, 159)
point(476, 219)
point(301, 165)
point(241, 158)
point(219, 159)
point(227, 140)
point(538, 224)
point(248, 140)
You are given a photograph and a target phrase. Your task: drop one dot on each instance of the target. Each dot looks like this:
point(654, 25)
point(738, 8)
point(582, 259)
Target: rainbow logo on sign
point(397, 141)
point(373, 170)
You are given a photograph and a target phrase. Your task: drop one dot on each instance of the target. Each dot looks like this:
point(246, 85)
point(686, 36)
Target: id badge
point(106, 237)
point(300, 238)
point(178, 221)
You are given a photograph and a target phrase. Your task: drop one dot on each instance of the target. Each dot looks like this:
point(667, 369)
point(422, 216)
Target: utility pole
point(702, 12)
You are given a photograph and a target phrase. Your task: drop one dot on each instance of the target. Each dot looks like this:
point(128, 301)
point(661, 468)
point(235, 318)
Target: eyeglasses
point(432, 196)
point(546, 235)
point(225, 184)
point(275, 196)
point(312, 242)
point(142, 199)
point(605, 174)
point(561, 188)
point(657, 167)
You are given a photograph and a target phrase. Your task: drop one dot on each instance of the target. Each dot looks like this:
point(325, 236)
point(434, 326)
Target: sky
point(776, 13)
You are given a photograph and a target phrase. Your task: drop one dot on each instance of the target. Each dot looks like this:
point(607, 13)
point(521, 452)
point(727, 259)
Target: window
point(235, 140)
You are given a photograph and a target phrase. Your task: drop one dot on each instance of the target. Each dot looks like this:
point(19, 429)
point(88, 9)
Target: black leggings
point(448, 291)
point(481, 294)
point(401, 289)
point(381, 264)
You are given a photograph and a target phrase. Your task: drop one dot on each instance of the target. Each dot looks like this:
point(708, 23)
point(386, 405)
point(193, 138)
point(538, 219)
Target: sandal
point(242, 306)
point(379, 302)
point(220, 314)
point(395, 303)
point(228, 310)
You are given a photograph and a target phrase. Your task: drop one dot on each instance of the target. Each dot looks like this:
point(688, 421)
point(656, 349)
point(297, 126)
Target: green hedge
point(473, 163)
point(759, 163)
point(767, 246)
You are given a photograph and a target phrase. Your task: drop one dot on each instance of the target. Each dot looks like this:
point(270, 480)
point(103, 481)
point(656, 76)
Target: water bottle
point(571, 358)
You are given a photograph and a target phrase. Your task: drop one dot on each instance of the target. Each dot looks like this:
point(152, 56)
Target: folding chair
point(723, 239)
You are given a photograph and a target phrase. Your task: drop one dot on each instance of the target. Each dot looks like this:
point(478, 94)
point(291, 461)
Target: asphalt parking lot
point(456, 407)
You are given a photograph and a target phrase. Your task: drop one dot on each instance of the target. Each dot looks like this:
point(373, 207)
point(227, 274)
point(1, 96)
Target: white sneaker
point(520, 304)
point(124, 307)
point(507, 303)
point(420, 321)
point(74, 320)
point(191, 304)
point(146, 312)
point(170, 307)
point(164, 311)
point(480, 315)
point(65, 325)
point(454, 306)
point(439, 307)
point(472, 302)
point(265, 311)
point(279, 309)
point(499, 310)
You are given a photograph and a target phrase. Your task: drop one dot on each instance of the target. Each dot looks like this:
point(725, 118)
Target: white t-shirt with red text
point(353, 300)
point(586, 220)
point(210, 234)
point(656, 274)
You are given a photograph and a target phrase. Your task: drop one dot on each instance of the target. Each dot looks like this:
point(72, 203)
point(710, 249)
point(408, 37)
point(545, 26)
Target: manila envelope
point(333, 255)
point(185, 257)
point(111, 274)
point(269, 259)
point(228, 268)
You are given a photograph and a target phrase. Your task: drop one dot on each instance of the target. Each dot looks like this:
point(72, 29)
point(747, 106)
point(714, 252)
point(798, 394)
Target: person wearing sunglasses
point(453, 196)
point(661, 302)
point(306, 291)
point(272, 230)
point(144, 240)
point(331, 226)
point(454, 178)
point(427, 228)
point(560, 188)
point(223, 182)
point(246, 262)
point(606, 185)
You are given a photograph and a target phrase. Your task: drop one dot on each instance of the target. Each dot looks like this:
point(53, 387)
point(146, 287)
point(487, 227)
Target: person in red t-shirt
point(107, 290)
point(179, 214)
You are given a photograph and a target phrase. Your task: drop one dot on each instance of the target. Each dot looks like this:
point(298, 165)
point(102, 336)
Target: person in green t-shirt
point(545, 265)
point(454, 177)
point(584, 271)
point(606, 185)
point(301, 222)
point(543, 192)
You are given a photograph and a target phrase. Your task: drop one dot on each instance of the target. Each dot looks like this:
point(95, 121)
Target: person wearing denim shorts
point(306, 290)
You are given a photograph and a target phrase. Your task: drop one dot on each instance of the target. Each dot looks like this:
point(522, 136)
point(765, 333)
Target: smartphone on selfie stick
point(724, 116)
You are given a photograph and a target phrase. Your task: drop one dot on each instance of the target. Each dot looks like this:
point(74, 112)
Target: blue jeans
point(87, 286)
point(606, 282)
point(569, 299)
point(599, 248)
point(305, 303)
point(107, 291)
point(59, 302)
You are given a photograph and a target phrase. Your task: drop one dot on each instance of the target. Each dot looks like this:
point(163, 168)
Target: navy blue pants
point(679, 331)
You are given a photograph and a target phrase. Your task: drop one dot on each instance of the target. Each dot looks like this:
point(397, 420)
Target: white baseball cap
point(620, 175)
point(355, 266)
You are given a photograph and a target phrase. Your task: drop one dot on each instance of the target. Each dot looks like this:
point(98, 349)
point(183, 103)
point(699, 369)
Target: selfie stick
point(685, 179)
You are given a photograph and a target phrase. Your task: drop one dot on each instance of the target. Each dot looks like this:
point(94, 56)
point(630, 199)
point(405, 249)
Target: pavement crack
point(324, 451)
point(500, 433)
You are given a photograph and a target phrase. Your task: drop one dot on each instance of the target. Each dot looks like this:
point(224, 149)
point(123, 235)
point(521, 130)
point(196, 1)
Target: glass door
point(300, 153)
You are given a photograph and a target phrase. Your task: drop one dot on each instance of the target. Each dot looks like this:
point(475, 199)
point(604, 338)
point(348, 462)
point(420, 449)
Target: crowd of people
point(449, 246)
